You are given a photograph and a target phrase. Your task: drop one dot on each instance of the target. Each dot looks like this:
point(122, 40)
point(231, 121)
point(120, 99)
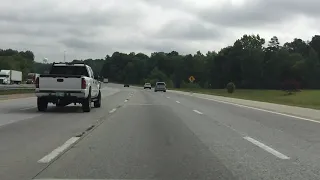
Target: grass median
point(305, 98)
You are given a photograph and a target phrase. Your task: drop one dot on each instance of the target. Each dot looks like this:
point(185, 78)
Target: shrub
point(169, 84)
point(291, 86)
point(231, 87)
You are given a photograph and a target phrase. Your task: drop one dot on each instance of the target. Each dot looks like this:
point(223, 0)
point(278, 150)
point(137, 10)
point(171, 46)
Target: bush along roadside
point(231, 87)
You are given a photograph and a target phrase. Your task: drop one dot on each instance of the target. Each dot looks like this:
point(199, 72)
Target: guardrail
point(16, 87)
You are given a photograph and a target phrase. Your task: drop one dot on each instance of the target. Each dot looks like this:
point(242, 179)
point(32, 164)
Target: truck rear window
point(69, 70)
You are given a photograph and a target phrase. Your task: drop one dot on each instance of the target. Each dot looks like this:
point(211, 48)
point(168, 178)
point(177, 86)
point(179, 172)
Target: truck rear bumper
point(54, 96)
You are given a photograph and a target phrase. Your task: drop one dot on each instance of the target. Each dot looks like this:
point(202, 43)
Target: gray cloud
point(259, 13)
point(90, 18)
point(188, 30)
point(77, 43)
point(48, 27)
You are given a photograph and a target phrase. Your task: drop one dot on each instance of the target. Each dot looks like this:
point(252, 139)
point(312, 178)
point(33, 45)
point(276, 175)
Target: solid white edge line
point(178, 102)
point(59, 150)
point(197, 111)
point(266, 148)
point(113, 110)
point(264, 110)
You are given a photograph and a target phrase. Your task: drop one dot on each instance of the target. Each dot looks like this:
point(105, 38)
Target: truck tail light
point(83, 84)
point(37, 82)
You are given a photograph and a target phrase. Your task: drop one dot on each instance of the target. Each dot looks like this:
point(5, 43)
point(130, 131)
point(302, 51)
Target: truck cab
point(5, 77)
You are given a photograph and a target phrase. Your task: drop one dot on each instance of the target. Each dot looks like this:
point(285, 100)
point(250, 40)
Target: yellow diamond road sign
point(191, 78)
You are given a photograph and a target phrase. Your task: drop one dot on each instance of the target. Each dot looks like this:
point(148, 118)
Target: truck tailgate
point(60, 84)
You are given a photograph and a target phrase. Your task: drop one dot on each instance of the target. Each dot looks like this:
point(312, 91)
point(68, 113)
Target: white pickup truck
point(68, 83)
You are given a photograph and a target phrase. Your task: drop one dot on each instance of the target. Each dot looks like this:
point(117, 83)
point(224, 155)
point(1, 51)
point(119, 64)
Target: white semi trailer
point(10, 77)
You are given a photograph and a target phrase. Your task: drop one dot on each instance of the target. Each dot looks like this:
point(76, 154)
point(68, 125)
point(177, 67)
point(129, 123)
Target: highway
point(141, 134)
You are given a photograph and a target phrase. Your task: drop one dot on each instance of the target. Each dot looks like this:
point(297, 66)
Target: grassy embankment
point(305, 98)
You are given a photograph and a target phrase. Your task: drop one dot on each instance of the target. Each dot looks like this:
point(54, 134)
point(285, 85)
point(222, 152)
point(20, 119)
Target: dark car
point(126, 85)
point(160, 86)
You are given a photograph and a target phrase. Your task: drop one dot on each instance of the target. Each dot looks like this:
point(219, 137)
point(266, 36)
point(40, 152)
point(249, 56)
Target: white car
point(147, 86)
point(68, 83)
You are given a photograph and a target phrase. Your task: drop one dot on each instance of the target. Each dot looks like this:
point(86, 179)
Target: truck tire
point(86, 104)
point(97, 103)
point(42, 104)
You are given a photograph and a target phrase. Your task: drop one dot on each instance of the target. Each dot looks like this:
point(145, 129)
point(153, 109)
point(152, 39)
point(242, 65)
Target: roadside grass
point(16, 91)
point(305, 98)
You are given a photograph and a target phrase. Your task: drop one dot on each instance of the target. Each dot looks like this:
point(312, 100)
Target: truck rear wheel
point(86, 104)
point(42, 104)
point(97, 103)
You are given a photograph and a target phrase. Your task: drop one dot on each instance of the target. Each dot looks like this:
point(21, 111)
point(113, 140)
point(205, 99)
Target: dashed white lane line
point(266, 148)
point(168, 97)
point(27, 108)
point(113, 110)
point(178, 102)
point(126, 100)
point(197, 111)
point(59, 150)
point(264, 110)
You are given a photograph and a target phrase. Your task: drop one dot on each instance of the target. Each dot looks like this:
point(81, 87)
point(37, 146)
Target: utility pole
point(64, 56)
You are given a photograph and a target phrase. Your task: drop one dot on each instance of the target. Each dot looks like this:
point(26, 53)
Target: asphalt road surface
point(141, 134)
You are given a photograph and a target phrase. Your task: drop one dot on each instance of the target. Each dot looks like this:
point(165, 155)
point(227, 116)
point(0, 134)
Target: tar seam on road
point(113, 110)
point(264, 110)
point(178, 102)
point(197, 111)
point(59, 150)
point(266, 148)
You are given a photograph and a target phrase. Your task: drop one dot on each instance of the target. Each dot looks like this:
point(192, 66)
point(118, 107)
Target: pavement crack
point(80, 135)
point(89, 128)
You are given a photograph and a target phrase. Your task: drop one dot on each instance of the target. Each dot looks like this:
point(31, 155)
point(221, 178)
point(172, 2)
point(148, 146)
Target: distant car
point(147, 86)
point(160, 86)
point(126, 85)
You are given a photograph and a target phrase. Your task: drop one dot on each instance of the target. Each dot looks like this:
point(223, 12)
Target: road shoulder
point(304, 113)
point(16, 96)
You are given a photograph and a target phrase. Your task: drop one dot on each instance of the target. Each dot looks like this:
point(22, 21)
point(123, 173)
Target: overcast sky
point(95, 28)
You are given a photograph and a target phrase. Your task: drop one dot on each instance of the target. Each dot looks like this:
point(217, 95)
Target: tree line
point(251, 63)
point(15, 60)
